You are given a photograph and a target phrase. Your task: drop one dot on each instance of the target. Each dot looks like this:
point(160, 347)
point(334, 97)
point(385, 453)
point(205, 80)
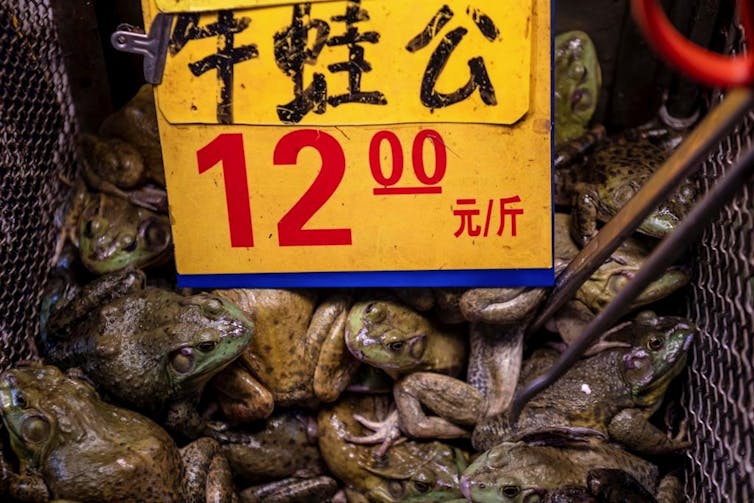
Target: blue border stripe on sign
point(467, 278)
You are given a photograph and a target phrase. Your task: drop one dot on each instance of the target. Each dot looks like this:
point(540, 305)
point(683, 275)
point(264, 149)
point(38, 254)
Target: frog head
point(416, 472)
point(619, 269)
point(387, 335)
point(114, 234)
point(502, 474)
point(39, 405)
point(659, 347)
point(208, 334)
point(626, 167)
point(577, 84)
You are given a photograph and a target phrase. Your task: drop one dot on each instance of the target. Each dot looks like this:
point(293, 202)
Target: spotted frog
point(599, 188)
point(150, 348)
point(613, 392)
point(518, 472)
point(72, 445)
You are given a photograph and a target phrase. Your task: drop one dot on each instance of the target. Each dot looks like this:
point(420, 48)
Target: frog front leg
point(291, 490)
point(335, 364)
point(584, 216)
point(27, 488)
point(206, 475)
point(631, 428)
point(454, 401)
point(241, 397)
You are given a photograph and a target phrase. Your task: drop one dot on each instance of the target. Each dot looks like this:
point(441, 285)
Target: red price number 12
point(227, 150)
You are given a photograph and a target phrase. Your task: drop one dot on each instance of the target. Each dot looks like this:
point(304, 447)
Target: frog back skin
point(132, 346)
point(521, 467)
point(93, 451)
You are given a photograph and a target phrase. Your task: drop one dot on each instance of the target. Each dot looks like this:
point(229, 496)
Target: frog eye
point(374, 312)
point(35, 429)
point(422, 487)
point(206, 346)
point(655, 343)
point(183, 360)
point(396, 346)
point(94, 227)
point(156, 234)
point(511, 491)
point(395, 488)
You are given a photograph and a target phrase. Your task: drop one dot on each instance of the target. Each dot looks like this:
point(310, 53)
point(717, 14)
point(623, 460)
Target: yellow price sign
point(364, 143)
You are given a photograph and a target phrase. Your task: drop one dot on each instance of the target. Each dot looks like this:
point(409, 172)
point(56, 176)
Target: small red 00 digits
point(227, 149)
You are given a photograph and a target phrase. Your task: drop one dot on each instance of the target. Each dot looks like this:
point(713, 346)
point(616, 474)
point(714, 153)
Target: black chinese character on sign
point(478, 79)
point(292, 52)
point(187, 28)
point(356, 63)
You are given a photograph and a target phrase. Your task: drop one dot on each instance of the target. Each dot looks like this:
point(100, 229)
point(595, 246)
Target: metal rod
point(679, 166)
point(663, 256)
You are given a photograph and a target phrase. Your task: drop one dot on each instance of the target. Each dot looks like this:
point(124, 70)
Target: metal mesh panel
point(36, 154)
point(719, 392)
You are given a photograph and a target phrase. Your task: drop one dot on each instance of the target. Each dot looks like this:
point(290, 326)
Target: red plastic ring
point(705, 66)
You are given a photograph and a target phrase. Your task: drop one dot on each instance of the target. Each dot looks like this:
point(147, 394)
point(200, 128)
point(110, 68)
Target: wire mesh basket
point(37, 156)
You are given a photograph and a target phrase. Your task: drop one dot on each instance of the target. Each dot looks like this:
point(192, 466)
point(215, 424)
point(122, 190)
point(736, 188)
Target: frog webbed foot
point(386, 433)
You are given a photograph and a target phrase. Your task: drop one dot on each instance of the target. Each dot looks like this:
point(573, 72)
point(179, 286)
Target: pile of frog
point(149, 393)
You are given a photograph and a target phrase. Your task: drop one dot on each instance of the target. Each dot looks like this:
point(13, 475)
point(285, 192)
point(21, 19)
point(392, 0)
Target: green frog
point(72, 445)
point(613, 392)
point(112, 234)
point(600, 187)
point(408, 471)
point(126, 160)
point(150, 348)
point(298, 355)
point(578, 79)
point(519, 472)
point(611, 277)
point(492, 373)
point(390, 336)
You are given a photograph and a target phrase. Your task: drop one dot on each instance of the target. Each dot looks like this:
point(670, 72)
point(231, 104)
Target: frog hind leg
point(219, 486)
point(454, 401)
point(241, 397)
point(291, 490)
point(335, 365)
point(584, 217)
point(197, 458)
point(631, 428)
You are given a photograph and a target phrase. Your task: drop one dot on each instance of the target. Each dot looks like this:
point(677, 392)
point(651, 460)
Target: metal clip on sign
point(710, 69)
point(153, 47)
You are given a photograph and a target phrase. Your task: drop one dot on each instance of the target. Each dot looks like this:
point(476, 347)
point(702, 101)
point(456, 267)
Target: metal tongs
point(710, 69)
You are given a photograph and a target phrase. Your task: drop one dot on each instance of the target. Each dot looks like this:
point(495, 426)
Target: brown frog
point(72, 445)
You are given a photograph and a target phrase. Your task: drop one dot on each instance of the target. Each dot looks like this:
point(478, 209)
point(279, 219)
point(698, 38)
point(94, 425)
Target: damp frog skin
point(518, 472)
point(600, 187)
point(298, 355)
point(113, 234)
point(614, 392)
point(611, 277)
point(392, 337)
point(150, 348)
point(72, 445)
point(577, 84)
point(408, 471)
